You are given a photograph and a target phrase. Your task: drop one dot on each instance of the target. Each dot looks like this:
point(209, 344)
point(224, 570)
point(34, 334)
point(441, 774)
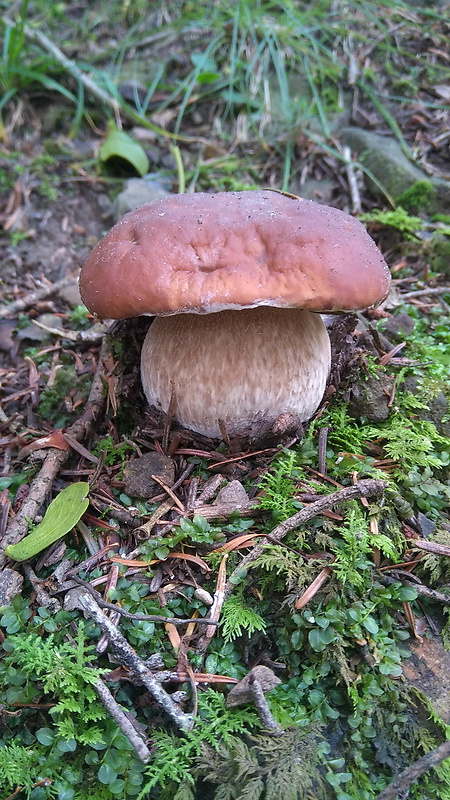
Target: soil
point(59, 236)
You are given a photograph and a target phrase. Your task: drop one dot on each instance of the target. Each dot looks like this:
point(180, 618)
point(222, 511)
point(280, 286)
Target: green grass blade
point(388, 118)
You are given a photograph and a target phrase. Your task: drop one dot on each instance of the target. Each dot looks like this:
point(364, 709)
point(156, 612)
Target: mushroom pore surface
point(245, 367)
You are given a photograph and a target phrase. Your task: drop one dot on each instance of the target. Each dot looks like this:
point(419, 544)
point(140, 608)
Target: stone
point(385, 159)
point(241, 693)
point(232, 494)
point(428, 669)
point(137, 192)
point(33, 333)
point(312, 189)
point(398, 326)
point(137, 474)
point(70, 294)
point(370, 398)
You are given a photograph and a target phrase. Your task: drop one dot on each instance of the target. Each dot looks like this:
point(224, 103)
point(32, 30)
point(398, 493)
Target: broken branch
point(365, 488)
point(127, 656)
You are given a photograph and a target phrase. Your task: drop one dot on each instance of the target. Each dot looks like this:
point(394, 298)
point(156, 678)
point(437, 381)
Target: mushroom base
point(244, 368)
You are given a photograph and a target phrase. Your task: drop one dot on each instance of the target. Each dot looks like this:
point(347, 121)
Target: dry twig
point(91, 336)
point(31, 298)
point(365, 488)
point(403, 781)
point(127, 656)
point(124, 721)
point(142, 617)
point(352, 180)
point(219, 599)
point(422, 292)
point(262, 707)
point(419, 588)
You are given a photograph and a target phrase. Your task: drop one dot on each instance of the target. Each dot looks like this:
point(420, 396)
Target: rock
point(138, 191)
point(232, 494)
point(7, 328)
point(204, 596)
point(385, 159)
point(36, 334)
point(137, 474)
point(370, 398)
point(425, 524)
point(241, 693)
point(398, 326)
point(320, 191)
point(70, 294)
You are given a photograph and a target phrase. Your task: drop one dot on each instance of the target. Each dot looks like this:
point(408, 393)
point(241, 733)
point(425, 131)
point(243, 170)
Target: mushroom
point(237, 282)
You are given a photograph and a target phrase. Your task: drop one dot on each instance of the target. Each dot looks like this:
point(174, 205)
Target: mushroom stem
point(244, 368)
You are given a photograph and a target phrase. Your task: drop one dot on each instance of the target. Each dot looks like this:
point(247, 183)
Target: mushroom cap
point(202, 253)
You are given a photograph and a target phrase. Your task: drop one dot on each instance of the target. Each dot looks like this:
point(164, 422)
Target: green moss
point(417, 198)
point(439, 254)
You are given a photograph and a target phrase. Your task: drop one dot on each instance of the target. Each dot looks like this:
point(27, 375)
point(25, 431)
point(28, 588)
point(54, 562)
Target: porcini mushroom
point(237, 282)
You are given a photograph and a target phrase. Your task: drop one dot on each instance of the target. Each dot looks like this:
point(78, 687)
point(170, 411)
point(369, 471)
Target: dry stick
point(419, 588)
point(322, 450)
point(142, 617)
point(91, 336)
point(214, 611)
point(33, 297)
point(262, 707)
point(54, 459)
point(365, 488)
point(43, 598)
point(123, 721)
point(127, 656)
point(413, 772)
point(352, 180)
point(419, 292)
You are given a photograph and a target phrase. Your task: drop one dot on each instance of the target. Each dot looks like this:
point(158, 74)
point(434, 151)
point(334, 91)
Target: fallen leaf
point(313, 588)
point(118, 144)
point(61, 516)
point(130, 562)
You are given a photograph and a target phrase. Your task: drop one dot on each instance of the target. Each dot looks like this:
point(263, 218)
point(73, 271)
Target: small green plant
point(112, 453)
point(56, 402)
point(79, 317)
point(16, 768)
point(278, 487)
point(62, 671)
point(17, 236)
point(189, 532)
point(352, 547)
point(216, 727)
point(399, 219)
point(237, 617)
point(417, 198)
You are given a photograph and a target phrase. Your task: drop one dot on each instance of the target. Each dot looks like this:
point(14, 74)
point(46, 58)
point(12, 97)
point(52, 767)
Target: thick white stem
point(245, 368)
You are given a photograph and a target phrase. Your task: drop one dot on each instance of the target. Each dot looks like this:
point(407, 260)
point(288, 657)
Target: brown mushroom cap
point(202, 253)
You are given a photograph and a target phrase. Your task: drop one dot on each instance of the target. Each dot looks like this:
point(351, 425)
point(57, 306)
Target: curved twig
point(365, 488)
point(403, 781)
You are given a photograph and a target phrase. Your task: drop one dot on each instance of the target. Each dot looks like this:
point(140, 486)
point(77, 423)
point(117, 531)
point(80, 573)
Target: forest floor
point(321, 561)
